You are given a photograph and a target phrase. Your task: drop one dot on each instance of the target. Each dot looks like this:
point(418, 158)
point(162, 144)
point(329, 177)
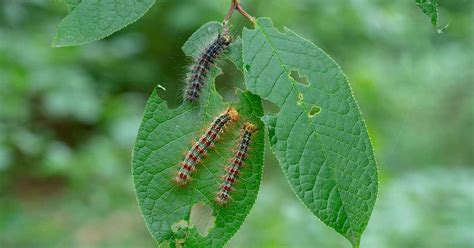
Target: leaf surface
point(71, 4)
point(318, 135)
point(189, 216)
point(90, 20)
point(430, 8)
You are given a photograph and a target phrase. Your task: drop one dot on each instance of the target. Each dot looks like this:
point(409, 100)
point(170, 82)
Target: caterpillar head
point(222, 198)
point(250, 127)
point(234, 115)
point(225, 37)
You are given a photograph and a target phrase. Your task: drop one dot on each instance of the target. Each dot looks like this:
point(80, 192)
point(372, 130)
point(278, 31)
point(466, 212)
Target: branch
point(235, 5)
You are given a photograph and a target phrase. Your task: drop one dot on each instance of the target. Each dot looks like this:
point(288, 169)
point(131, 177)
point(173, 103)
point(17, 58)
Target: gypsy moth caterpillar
point(199, 72)
point(206, 141)
point(236, 163)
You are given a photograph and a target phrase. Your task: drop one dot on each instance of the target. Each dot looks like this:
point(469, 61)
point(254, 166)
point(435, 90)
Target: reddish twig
point(235, 5)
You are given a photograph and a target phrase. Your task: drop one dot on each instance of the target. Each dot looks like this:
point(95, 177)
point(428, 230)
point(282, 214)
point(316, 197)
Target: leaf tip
point(355, 241)
point(55, 43)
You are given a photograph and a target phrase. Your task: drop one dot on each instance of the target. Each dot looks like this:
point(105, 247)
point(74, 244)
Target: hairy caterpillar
point(207, 140)
point(236, 163)
point(199, 72)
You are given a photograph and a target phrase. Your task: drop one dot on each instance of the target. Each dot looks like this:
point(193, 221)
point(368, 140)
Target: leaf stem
point(235, 5)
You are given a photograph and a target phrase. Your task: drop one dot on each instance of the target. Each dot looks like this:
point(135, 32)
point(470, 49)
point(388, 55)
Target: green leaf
point(318, 136)
point(234, 53)
point(91, 20)
point(430, 8)
point(189, 215)
point(71, 4)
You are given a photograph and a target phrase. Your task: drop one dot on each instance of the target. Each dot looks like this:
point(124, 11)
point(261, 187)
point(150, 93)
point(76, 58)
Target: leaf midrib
point(206, 111)
point(306, 110)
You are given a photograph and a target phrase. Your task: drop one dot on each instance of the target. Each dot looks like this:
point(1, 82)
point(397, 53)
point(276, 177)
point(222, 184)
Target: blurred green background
point(69, 116)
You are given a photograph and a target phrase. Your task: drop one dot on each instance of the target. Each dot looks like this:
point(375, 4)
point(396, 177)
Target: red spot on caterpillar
point(234, 171)
point(207, 140)
point(199, 149)
point(236, 164)
point(193, 158)
point(187, 167)
point(199, 73)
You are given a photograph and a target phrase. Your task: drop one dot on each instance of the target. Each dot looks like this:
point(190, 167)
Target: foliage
point(329, 162)
point(163, 137)
point(68, 118)
point(71, 4)
point(91, 20)
point(318, 135)
point(430, 8)
point(94, 19)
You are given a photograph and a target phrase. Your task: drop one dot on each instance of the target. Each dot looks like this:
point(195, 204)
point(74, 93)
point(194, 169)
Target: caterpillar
point(236, 163)
point(199, 72)
point(207, 140)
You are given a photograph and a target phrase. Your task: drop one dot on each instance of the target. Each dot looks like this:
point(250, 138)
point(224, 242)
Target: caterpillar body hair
point(199, 72)
point(236, 164)
point(206, 141)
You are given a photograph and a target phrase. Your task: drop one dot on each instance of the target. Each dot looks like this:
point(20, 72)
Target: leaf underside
point(90, 20)
point(318, 136)
point(165, 134)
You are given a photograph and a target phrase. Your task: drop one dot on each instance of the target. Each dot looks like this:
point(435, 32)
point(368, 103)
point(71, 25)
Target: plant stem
point(235, 5)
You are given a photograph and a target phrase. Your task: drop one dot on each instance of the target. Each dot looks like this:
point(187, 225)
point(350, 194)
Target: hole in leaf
point(179, 228)
point(228, 81)
point(270, 107)
point(298, 78)
point(300, 98)
point(202, 218)
point(314, 111)
point(247, 67)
